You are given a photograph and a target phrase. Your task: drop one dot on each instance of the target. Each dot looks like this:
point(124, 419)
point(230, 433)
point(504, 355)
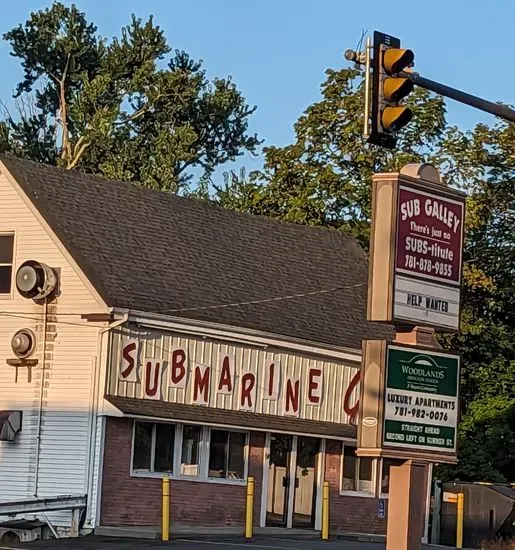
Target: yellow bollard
point(459, 521)
point(165, 512)
point(325, 511)
point(249, 507)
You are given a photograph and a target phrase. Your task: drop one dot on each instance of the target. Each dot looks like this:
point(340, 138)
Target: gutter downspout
point(94, 409)
point(41, 394)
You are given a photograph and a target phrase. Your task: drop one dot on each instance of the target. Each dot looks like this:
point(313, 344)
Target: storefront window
point(153, 447)
point(201, 452)
point(358, 472)
point(142, 454)
point(190, 456)
point(227, 454)
point(385, 473)
point(165, 443)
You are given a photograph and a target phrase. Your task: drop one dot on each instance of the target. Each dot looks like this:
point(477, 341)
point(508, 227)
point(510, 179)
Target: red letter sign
point(178, 369)
point(129, 365)
point(248, 392)
point(226, 374)
point(291, 397)
point(201, 384)
point(314, 386)
point(273, 380)
point(352, 411)
point(152, 379)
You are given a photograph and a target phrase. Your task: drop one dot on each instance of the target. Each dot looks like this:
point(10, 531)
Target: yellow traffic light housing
point(389, 88)
point(396, 60)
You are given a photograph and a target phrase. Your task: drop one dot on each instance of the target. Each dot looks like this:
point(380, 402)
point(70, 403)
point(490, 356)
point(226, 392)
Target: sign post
point(409, 395)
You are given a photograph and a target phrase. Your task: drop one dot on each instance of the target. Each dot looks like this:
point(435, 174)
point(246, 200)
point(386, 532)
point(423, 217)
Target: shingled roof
point(152, 251)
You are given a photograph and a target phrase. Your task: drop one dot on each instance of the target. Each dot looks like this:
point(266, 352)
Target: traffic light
point(388, 116)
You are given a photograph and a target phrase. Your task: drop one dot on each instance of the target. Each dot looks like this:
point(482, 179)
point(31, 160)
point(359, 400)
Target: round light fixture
point(35, 280)
point(23, 343)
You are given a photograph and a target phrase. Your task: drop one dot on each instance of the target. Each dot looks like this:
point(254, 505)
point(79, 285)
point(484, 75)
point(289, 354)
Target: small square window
point(227, 454)
point(153, 447)
point(358, 472)
point(6, 262)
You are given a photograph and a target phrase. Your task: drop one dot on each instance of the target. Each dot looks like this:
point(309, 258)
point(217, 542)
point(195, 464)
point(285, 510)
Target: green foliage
point(324, 178)
point(125, 108)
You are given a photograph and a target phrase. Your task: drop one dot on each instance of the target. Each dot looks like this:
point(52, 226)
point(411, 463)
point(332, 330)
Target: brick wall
point(137, 501)
point(353, 514)
point(349, 514)
point(128, 501)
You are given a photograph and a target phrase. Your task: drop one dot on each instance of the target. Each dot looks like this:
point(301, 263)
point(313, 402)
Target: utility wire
point(263, 301)
point(23, 314)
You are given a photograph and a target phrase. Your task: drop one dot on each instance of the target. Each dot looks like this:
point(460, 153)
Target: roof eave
point(242, 335)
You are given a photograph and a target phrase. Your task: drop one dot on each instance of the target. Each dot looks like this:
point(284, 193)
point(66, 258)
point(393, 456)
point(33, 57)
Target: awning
point(10, 424)
point(241, 419)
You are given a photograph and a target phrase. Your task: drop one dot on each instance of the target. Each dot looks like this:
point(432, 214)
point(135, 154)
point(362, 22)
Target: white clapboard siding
point(336, 375)
point(67, 394)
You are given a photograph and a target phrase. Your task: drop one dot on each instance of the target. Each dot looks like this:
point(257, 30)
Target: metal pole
point(437, 512)
point(325, 511)
point(368, 48)
point(482, 104)
point(41, 396)
point(459, 521)
point(249, 508)
point(165, 515)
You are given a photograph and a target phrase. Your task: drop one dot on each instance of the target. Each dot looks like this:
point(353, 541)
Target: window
point(191, 451)
point(142, 454)
point(153, 449)
point(227, 454)
point(385, 473)
point(190, 456)
point(358, 472)
point(6, 263)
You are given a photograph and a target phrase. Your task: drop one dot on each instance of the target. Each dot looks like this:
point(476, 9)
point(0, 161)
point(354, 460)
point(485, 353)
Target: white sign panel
point(427, 303)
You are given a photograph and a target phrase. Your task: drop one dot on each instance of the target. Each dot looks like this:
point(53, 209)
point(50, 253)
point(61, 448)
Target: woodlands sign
point(204, 383)
point(421, 399)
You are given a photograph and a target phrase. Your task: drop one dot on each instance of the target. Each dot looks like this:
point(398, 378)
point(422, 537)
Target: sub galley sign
point(200, 381)
point(429, 243)
point(429, 236)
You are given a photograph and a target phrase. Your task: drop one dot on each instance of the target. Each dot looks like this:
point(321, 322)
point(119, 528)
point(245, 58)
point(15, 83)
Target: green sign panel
point(421, 399)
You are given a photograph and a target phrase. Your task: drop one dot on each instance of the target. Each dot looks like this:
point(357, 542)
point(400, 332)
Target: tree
point(124, 108)
point(485, 163)
point(324, 178)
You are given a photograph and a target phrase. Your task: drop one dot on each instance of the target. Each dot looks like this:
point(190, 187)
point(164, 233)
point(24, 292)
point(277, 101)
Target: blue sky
point(277, 50)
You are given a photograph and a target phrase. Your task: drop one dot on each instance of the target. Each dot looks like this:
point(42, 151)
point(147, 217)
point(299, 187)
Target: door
point(279, 480)
point(304, 502)
point(292, 481)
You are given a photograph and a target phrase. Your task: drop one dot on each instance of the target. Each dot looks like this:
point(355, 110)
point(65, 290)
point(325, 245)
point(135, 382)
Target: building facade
point(182, 340)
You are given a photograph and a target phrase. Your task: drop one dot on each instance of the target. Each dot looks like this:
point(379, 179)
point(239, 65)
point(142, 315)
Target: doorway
point(292, 481)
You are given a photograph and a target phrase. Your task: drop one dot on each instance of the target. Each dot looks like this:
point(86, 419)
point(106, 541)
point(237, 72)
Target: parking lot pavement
point(265, 543)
